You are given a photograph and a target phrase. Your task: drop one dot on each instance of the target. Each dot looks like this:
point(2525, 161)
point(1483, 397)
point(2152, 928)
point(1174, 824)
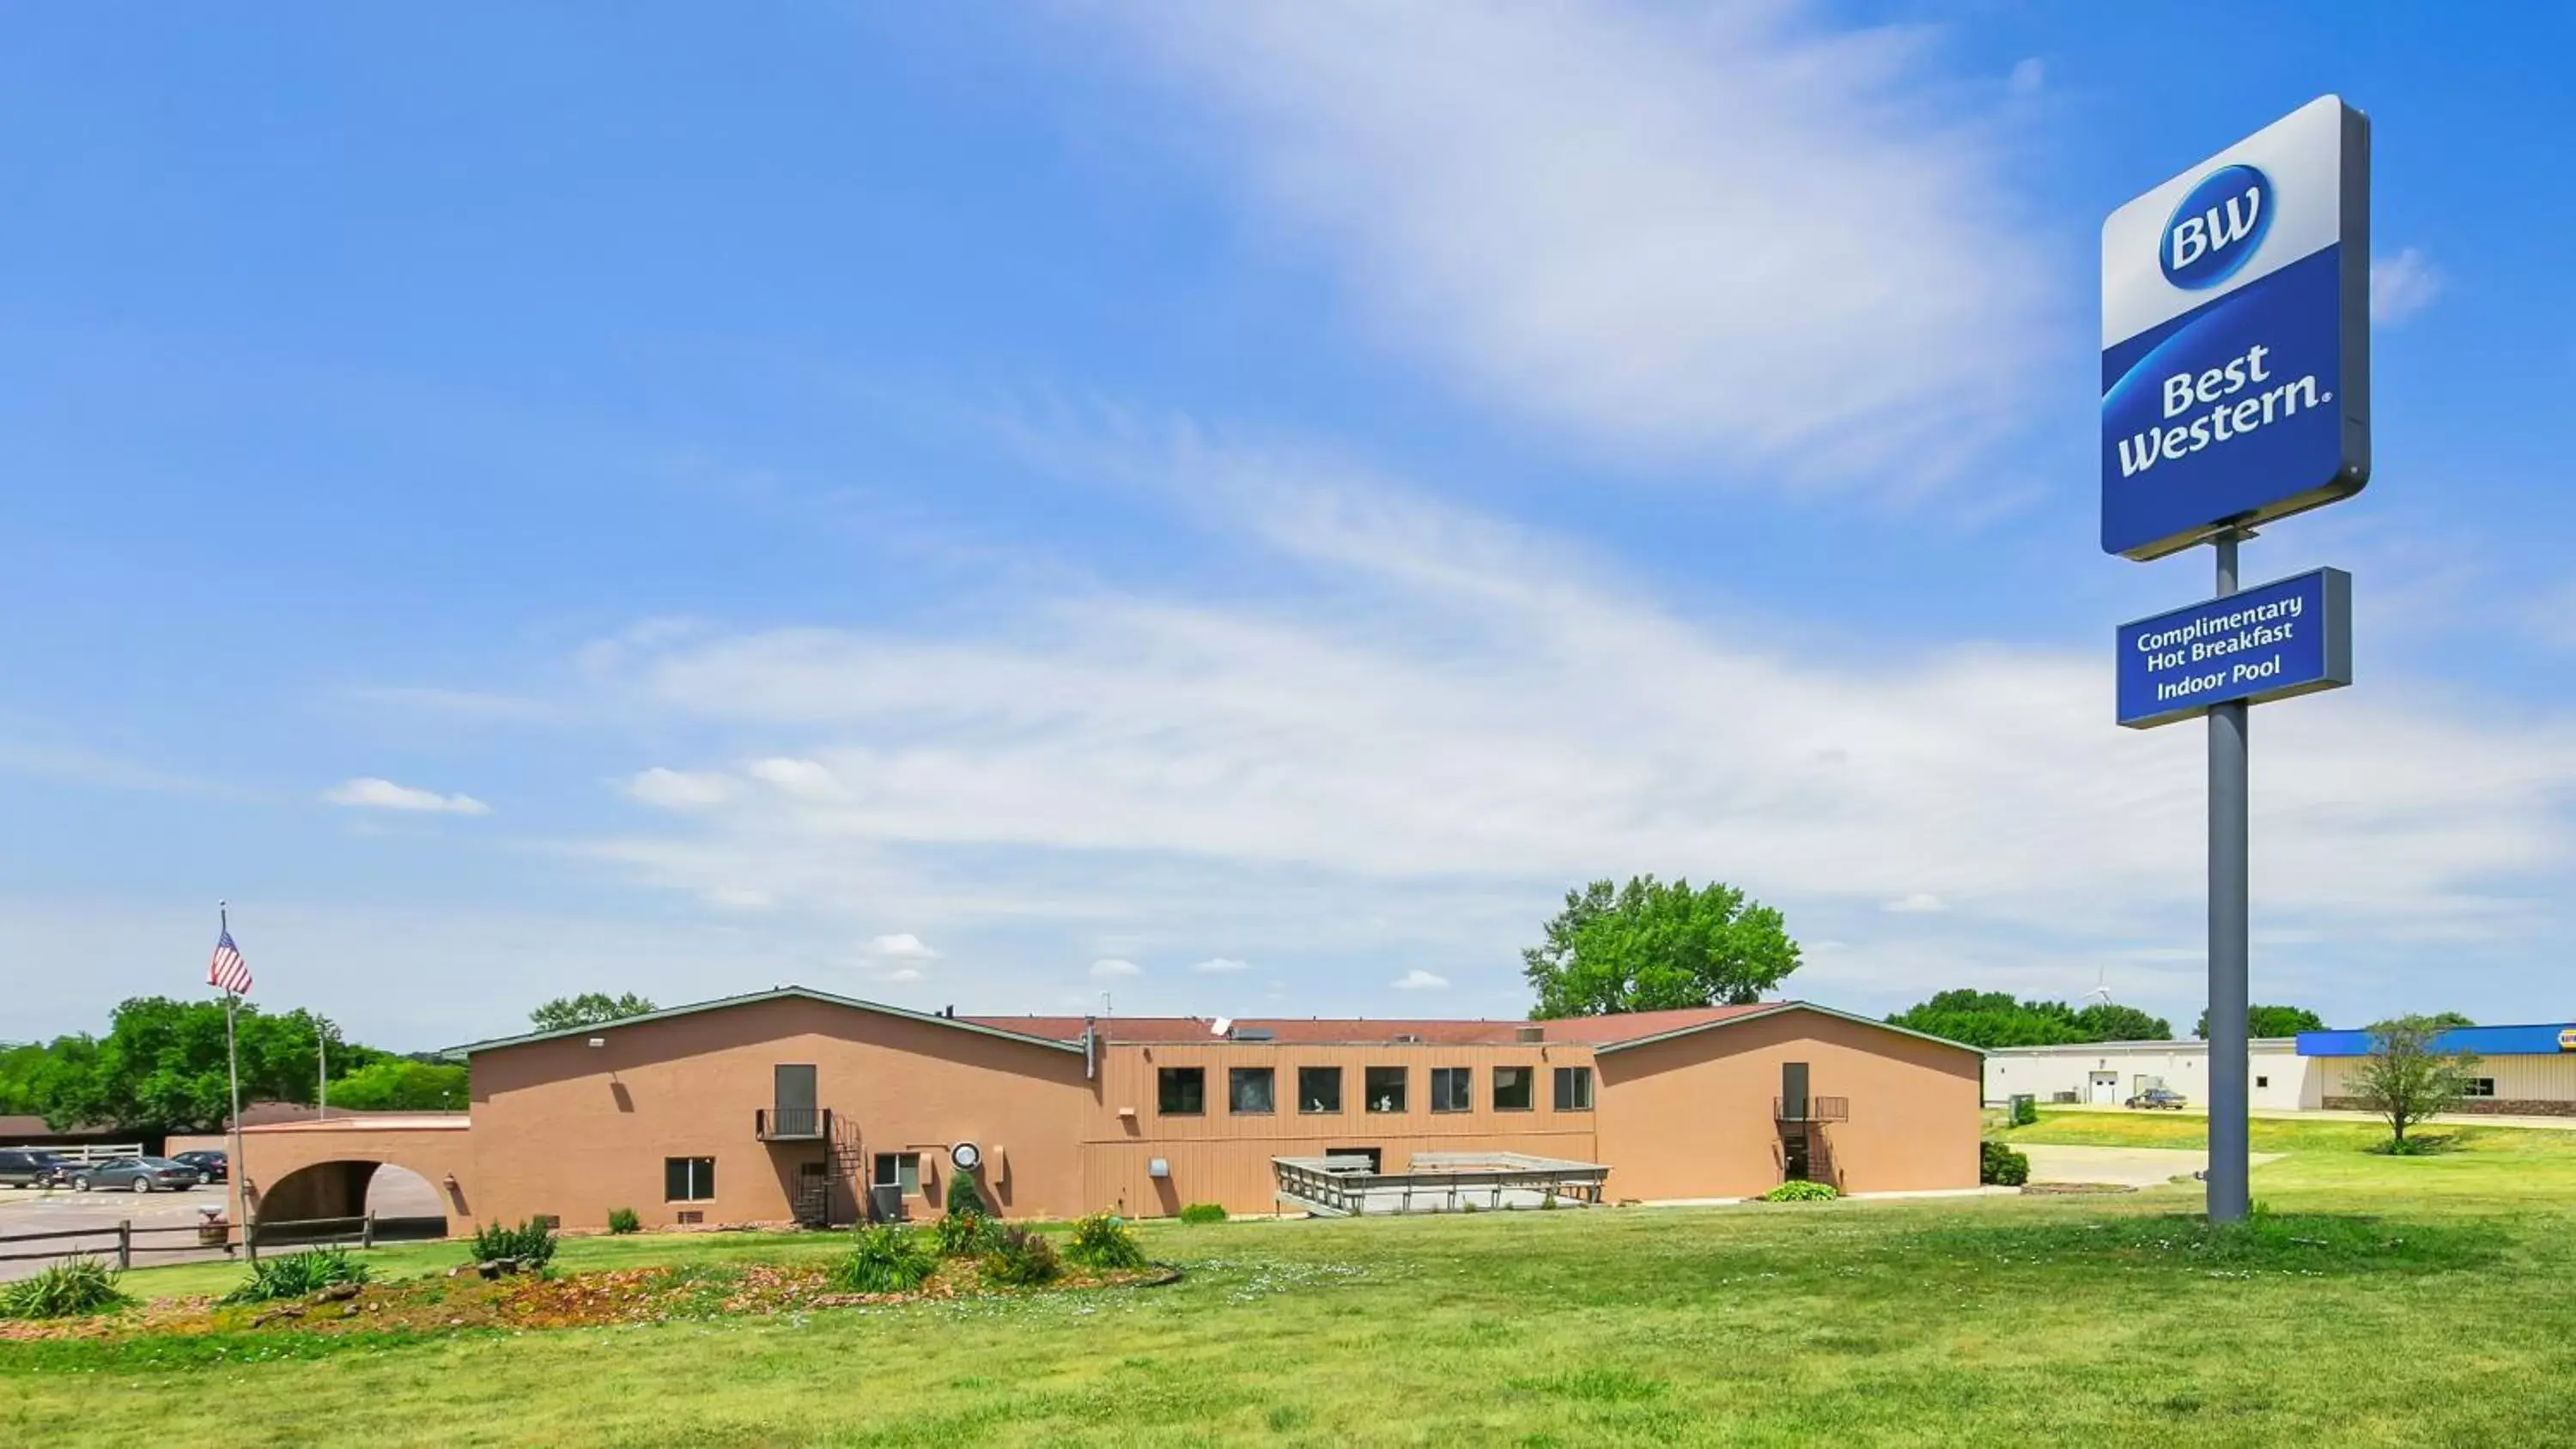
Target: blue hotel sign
point(2236, 337)
point(2272, 641)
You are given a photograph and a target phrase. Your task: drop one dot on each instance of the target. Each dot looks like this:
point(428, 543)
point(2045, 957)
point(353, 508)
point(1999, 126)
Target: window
point(1453, 1089)
point(898, 1169)
point(1386, 1088)
point(1512, 1088)
point(1249, 1091)
point(2479, 1087)
point(1574, 1089)
point(2262, 1081)
point(688, 1179)
point(1375, 1156)
point(1181, 1091)
point(1319, 1089)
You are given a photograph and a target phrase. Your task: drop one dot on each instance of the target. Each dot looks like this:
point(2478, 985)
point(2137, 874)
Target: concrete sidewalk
point(2271, 1114)
point(2118, 1166)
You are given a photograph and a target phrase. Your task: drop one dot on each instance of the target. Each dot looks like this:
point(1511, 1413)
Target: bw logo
point(2217, 228)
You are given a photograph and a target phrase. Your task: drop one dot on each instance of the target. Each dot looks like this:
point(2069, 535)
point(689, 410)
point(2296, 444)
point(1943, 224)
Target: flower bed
point(466, 1301)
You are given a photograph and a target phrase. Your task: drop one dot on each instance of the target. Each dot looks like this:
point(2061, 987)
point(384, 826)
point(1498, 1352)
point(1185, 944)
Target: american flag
point(227, 972)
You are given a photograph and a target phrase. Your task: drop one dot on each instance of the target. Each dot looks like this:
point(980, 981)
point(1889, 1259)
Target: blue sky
point(1237, 507)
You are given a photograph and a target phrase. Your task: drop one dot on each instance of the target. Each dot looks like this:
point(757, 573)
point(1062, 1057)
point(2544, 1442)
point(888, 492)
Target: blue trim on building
point(2547, 1039)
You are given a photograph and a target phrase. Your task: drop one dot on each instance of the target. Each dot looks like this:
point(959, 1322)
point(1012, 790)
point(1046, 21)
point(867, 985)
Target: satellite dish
point(1223, 1025)
point(965, 1157)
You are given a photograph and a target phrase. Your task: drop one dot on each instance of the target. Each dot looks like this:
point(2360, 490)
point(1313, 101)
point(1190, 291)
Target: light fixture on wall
point(599, 1041)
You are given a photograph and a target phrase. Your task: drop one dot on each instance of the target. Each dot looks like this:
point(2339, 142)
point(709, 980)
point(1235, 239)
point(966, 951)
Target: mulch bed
point(565, 1300)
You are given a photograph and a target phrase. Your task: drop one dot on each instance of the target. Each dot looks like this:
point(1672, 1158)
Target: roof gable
point(782, 993)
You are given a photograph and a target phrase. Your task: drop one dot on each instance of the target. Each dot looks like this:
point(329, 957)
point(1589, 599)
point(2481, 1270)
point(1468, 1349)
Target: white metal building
point(2108, 1073)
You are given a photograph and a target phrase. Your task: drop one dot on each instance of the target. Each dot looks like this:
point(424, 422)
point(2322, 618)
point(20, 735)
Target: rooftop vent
point(1252, 1033)
point(1529, 1034)
point(1408, 1036)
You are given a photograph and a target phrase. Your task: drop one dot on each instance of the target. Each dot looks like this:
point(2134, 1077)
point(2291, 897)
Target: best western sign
point(2236, 337)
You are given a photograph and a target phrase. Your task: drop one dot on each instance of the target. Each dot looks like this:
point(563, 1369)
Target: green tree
point(591, 1008)
point(397, 1084)
point(2269, 1021)
point(161, 1065)
point(2405, 1080)
point(1994, 1019)
point(1648, 945)
point(2110, 1021)
point(2445, 1020)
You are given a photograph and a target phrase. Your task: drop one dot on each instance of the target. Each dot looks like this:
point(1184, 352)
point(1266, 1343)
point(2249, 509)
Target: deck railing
point(791, 1124)
point(1440, 1182)
point(1811, 1109)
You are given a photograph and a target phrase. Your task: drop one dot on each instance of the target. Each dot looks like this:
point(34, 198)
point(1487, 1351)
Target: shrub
point(2001, 1165)
point(624, 1220)
point(1021, 1259)
point(963, 1196)
point(1203, 1212)
point(885, 1259)
point(1102, 1241)
point(74, 1285)
point(531, 1244)
point(297, 1274)
point(1797, 1190)
point(2025, 1109)
point(965, 1235)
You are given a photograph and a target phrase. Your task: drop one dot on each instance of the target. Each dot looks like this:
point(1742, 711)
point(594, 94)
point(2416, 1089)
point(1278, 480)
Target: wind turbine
point(2101, 993)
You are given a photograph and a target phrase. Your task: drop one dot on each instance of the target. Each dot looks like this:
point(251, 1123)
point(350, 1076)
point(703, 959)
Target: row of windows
point(1253, 1091)
point(693, 1179)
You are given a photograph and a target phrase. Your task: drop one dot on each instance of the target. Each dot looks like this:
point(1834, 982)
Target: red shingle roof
point(1311, 1031)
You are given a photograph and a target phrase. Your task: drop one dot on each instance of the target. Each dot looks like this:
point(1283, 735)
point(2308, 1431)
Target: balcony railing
point(791, 1124)
point(1811, 1109)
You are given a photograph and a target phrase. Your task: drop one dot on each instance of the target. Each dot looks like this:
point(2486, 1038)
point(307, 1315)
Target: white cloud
point(1723, 232)
point(2028, 76)
point(1221, 966)
point(1418, 979)
point(903, 945)
point(679, 790)
point(1110, 968)
point(1920, 903)
point(373, 794)
point(1151, 761)
point(2401, 286)
point(900, 974)
point(798, 777)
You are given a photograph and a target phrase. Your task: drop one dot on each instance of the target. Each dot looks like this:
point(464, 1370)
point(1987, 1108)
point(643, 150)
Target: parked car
point(2158, 1099)
point(135, 1174)
point(209, 1163)
point(20, 1168)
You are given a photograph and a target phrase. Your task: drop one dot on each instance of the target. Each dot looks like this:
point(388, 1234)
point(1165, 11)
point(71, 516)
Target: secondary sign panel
point(2236, 336)
point(2272, 641)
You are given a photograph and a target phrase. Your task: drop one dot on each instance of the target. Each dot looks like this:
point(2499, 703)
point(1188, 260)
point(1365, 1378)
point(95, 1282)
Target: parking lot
point(62, 1210)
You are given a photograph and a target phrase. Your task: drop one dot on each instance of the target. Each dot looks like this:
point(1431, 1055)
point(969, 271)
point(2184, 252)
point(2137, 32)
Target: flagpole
point(240, 1173)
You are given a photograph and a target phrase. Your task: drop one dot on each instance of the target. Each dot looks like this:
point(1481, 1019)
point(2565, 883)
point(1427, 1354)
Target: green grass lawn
point(2388, 1301)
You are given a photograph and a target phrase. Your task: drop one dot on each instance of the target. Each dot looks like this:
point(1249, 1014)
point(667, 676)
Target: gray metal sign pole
point(2228, 839)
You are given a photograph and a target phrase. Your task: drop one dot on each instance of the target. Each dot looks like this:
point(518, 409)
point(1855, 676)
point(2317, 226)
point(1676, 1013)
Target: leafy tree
point(161, 1065)
point(2445, 1020)
point(2110, 1021)
point(1995, 1019)
point(1649, 945)
point(2269, 1021)
point(591, 1008)
point(2405, 1080)
point(399, 1084)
